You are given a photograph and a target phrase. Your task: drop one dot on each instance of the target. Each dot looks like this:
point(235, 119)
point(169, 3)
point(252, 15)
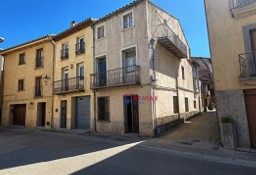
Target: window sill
point(99, 39)
point(104, 121)
point(21, 64)
point(21, 90)
point(37, 68)
point(244, 11)
point(128, 28)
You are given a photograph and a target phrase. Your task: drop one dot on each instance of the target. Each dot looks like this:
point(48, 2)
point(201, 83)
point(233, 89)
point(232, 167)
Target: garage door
point(83, 112)
point(250, 101)
point(19, 114)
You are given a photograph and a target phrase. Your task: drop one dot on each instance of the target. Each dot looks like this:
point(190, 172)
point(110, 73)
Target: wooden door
point(250, 102)
point(19, 114)
point(63, 114)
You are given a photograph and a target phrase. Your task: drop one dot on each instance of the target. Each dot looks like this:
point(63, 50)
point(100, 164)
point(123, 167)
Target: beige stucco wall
point(87, 60)
point(14, 72)
point(227, 42)
point(117, 119)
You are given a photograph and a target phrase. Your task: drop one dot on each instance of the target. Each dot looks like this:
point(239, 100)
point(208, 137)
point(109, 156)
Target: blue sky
point(29, 19)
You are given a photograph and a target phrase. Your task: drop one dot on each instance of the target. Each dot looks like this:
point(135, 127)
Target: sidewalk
point(204, 151)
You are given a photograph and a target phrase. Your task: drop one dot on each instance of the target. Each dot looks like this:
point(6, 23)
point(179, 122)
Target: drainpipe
point(94, 91)
point(53, 68)
point(153, 79)
point(178, 99)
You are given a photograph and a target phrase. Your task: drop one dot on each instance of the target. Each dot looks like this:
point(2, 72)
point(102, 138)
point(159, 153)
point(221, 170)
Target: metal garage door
point(83, 112)
point(250, 101)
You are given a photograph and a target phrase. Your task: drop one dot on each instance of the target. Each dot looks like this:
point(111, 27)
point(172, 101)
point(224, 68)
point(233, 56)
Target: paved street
point(202, 128)
point(24, 151)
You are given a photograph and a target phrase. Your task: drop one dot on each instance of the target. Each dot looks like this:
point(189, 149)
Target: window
point(127, 21)
point(20, 85)
point(100, 32)
point(175, 105)
point(186, 105)
point(22, 59)
point(65, 51)
point(195, 104)
point(183, 72)
point(129, 59)
point(39, 58)
point(38, 87)
point(80, 46)
point(103, 108)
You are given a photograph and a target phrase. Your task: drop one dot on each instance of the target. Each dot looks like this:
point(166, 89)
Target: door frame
point(61, 114)
point(135, 129)
point(76, 116)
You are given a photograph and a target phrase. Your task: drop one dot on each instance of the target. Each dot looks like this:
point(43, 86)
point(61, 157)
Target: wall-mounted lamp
point(31, 103)
point(71, 66)
point(45, 78)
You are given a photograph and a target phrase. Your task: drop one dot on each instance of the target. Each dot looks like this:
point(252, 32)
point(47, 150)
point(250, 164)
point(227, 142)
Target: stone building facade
point(232, 35)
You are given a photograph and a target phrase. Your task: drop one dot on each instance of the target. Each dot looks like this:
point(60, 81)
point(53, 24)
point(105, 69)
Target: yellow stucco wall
point(227, 42)
point(71, 63)
point(14, 72)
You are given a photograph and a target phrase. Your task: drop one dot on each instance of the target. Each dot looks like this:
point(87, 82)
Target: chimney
point(73, 24)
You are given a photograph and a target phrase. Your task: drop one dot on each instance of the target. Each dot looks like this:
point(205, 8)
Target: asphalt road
point(44, 152)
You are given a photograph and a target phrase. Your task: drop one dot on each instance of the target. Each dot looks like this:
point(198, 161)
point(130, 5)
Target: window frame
point(106, 116)
point(128, 14)
point(175, 105)
point(40, 57)
point(22, 58)
point(23, 85)
point(98, 33)
point(183, 72)
point(186, 104)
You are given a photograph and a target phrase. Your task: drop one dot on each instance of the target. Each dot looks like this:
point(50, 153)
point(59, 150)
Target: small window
point(103, 108)
point(175, 104)
point(183, 72)
point(195, 104)
point(127, 21)
point(100, 32)
point(20, 85)
point(186, 105)
point(22, 59)
point(39, 58)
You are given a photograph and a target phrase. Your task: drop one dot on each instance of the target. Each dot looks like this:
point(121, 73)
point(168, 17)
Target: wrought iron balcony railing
point(80, 48)
point(64, 53)
point(69, 85)
point(38, 91)
point(116, 77)
point(171, 41)
point(247, 63)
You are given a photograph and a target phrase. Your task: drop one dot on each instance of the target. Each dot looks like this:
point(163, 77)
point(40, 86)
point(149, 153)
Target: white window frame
point(97, 33)
point(123, 16)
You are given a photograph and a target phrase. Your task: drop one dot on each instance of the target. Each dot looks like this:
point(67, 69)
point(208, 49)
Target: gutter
point(53, 68)
point(94, 91)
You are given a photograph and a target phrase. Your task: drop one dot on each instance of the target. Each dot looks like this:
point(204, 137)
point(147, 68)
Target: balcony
point(116, 77)
point(168, 39)
point(75, 84)
point(247, 63)
point(64, 54)
point(241, 8)
point(80, 48)
point(38, 91)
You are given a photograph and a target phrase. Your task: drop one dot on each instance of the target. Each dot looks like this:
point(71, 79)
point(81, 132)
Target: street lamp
point(1, 39)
